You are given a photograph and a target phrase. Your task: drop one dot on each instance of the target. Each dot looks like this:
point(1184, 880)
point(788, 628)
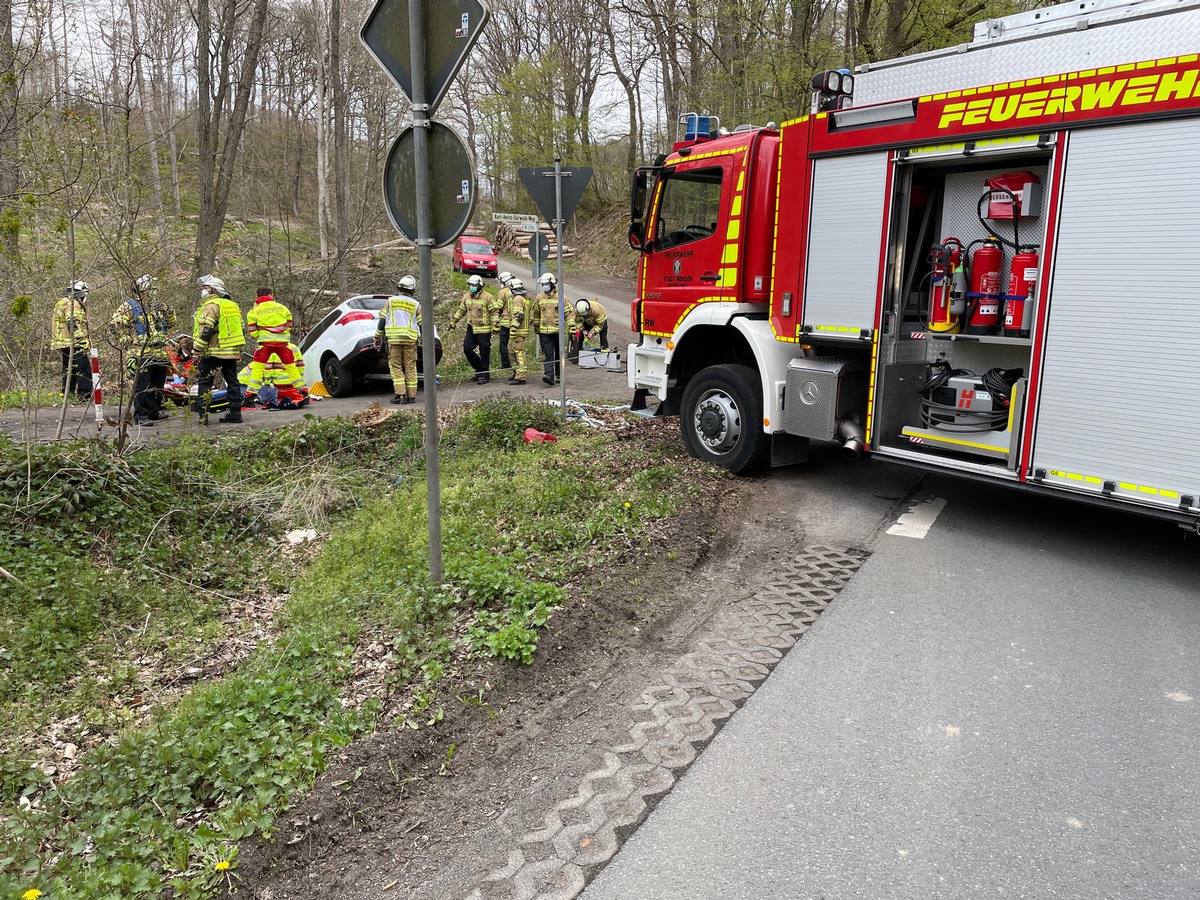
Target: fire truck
point(983, 260)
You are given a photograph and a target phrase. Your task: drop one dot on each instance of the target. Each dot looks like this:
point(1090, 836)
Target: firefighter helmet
point(79, 290)
point(475, 283)
point(506, 279)
point(407, 283)
point(213, 285)
point(582, 307)
point(548, 282)
point(516, 285)
point(144, 284)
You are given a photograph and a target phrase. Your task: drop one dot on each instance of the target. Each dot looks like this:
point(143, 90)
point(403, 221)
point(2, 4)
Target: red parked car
point(474, 254)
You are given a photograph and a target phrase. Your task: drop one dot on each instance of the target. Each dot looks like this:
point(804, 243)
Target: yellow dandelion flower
point(31, 894)
point(628, 505)
point(223, 865)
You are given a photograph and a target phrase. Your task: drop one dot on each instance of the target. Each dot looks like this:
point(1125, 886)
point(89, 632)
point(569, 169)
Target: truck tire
point(721, 418)
point(336, 379)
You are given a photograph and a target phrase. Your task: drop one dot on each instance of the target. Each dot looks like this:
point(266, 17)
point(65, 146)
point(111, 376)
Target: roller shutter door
point(1120, 393)
point(845, 227)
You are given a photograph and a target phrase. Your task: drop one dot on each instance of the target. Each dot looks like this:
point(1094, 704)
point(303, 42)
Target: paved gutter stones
point(676, 719)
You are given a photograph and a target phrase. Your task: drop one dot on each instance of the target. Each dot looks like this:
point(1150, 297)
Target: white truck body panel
point(1063, 38)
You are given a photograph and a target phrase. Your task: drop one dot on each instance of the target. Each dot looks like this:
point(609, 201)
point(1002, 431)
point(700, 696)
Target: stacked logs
point(512, 241)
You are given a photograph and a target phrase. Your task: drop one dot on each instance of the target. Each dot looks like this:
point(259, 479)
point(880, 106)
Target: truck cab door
point(687, 260)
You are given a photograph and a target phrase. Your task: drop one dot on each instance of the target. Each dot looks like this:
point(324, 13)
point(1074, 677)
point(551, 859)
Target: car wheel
point(721, 418)
point(336, 379)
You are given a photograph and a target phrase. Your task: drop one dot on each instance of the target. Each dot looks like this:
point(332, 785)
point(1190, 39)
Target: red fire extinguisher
point(947, 294)
point(983, 299)
point(1018, 302)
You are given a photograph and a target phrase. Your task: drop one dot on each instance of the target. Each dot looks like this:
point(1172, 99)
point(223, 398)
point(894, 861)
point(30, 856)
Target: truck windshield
point(690, 207)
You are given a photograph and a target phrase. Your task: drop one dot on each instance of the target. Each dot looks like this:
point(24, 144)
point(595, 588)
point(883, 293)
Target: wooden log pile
point(514, 242)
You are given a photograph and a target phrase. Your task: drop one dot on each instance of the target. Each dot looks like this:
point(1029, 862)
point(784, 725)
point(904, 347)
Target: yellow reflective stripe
point(845, 329)
point(730, 256)
point(1127, 486)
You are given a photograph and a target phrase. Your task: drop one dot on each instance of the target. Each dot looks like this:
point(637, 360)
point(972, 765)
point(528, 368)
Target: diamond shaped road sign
point(451, 27)
point(540, 184)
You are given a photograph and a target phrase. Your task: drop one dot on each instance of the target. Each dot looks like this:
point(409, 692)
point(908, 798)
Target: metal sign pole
point(416, 31)
point(562, 301)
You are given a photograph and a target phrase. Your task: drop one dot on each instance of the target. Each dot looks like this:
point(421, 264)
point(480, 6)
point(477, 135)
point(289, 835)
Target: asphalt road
point(1008, 706)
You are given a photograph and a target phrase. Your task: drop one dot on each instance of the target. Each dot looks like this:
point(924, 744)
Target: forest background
point(247, 137)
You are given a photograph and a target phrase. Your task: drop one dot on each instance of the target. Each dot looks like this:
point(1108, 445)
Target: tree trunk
point(10, 169)
point(216, 175)
point(341, 146)
point(164, 236)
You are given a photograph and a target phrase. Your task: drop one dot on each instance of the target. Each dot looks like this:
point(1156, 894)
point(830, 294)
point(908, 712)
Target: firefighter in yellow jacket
point(477, 307)
point(522, 320)
point(545, 325)
point(276, 373)
point(591, 321)
point(400, 324)
point(270, 324)
point(217, 341)
point(70, 337)
point(142, 326)
point(503, 319)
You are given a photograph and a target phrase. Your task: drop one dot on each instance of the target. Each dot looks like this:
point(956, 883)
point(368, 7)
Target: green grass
point(158, 807)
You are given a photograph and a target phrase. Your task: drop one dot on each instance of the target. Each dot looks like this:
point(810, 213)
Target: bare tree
point(222, 71)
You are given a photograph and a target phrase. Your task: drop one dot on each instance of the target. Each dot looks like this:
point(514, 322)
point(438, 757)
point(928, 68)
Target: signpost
point(539, 252)
point(422, 44)
point(557, 201)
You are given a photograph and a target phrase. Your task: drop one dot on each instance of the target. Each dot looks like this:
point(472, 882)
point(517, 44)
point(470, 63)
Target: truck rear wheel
point(721, 418)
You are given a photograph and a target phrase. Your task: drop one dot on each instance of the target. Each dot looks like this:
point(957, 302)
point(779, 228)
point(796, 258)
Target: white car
point(339, 351)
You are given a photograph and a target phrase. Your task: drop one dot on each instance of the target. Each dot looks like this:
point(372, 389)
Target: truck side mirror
point(637, 236)
point(638, 197)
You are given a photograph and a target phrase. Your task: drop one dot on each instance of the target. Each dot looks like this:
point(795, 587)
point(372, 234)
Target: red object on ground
point(533, 436)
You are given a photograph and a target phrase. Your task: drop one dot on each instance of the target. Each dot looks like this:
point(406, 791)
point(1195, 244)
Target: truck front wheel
point(721, 418)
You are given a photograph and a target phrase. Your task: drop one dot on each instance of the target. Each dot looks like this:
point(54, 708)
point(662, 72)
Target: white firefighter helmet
point(144, 284)
point(80, 289)
point(475, 283)
point(548, 282)
point(407, 283)
point(582, 307)
point(506, 279)
point(516, 285)
point(213, 285)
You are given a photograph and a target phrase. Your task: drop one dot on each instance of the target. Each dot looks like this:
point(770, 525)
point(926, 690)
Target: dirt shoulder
point(425, 813)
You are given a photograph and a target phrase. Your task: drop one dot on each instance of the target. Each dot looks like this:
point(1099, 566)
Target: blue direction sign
point(451, 27)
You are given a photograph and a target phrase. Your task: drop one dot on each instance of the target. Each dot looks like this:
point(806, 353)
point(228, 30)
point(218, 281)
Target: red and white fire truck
point(988, 264)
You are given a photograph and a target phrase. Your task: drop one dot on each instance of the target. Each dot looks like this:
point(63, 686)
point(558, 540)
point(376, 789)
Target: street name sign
point(518, 221)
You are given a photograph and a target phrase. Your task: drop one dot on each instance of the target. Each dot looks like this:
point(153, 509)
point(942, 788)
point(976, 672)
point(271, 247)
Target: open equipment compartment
point(957, 324)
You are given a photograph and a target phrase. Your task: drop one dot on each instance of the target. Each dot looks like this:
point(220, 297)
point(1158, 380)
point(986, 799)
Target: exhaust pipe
point(853, 438)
